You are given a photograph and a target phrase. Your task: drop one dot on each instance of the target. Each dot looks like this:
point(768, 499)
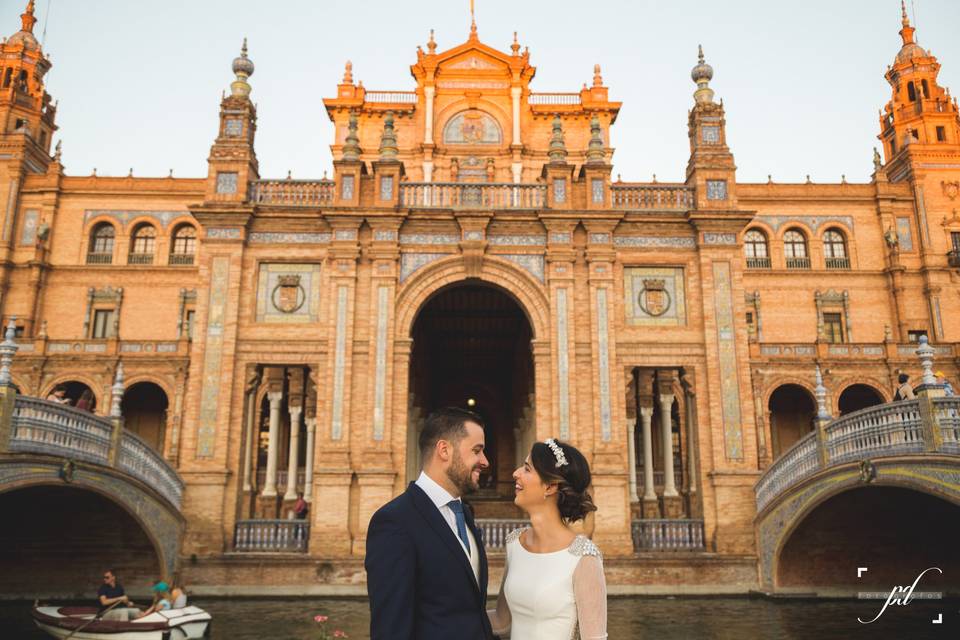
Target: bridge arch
point(41, 494)
point(802, 517)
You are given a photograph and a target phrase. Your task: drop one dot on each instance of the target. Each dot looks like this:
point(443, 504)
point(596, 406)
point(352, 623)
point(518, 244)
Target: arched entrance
point(76, 390)
point(56, 541)
point(145, 413)
point(791, 416)
point(895, 532)
point(471, 349)
point(858, 396)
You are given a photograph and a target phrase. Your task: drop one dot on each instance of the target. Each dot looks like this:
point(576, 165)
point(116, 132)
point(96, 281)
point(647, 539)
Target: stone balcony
point(817, 351)
point(105, 347)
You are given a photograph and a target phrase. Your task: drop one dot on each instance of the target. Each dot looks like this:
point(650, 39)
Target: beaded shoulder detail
point(583, 546)
point(514, 535)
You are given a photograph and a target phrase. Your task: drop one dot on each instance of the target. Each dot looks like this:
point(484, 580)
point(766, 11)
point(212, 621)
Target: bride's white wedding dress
point(552, 596)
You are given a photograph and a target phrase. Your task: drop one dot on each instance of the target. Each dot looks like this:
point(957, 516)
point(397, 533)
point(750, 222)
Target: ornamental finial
point(558, 147)
point(388, 140)
point(348, 73)
point(27, 19)
point(597, 78)
point(432, 44)
point(243, 69)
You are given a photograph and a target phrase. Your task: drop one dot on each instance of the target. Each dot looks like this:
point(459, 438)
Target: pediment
point(473, 61)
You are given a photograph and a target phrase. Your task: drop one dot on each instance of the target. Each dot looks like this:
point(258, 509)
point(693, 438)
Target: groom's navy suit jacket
point(419, 579)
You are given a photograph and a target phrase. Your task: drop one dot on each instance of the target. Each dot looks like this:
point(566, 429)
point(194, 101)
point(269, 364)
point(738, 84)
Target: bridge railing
point(887, 429)
point(947, 413)
point(54, 429)
point(141, 461)
point(49, 428)
point(271, 536)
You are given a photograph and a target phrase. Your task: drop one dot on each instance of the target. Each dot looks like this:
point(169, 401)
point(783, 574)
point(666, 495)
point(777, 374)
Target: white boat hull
point(189, 623)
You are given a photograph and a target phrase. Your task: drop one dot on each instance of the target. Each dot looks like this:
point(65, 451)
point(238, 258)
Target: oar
point(94, 619)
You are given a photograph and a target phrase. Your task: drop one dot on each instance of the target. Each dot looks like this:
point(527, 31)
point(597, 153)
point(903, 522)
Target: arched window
point(795, 250)
point(755, 249)
point(142, 244)
point(835, 250)
point(7, 77)
point(911, 92)
point(926, 88)
point(100, 250)
point(184, 245)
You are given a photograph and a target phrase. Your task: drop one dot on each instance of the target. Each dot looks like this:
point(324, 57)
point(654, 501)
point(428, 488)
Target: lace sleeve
point(590, 591)
point(500, 617)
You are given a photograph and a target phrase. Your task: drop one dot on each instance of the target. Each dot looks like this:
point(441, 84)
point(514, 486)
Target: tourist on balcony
point(947, 387)
point(904, 391)
point(59, 395)
point(301, 508)
point(553, 581)
point(85, 403)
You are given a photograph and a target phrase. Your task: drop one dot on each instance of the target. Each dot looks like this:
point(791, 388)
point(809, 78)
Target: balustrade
point(667, 535)
point(651, 196)
point(798, 263)
point(455, 195)
point(494, 531)
point(271, 536)
point(947, 412)
point(554, 98)
point(293, 193)
point(391, 97)
point(55, 429)
point(141, 461)
point(800, 461)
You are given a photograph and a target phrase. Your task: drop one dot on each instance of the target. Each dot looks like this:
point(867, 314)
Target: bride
point(553, 584)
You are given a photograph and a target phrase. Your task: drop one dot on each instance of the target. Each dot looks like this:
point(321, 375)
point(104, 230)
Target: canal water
point(641, 618)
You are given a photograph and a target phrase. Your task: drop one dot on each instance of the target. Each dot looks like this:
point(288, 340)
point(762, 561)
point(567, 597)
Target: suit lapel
point(431, 514)
point(481, 549)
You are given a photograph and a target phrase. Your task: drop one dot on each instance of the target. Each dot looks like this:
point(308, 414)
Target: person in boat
point(111, 594)
point(161, 599)
point(178, 597)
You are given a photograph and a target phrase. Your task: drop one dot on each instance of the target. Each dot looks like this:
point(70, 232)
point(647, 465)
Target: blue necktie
point(457, 507)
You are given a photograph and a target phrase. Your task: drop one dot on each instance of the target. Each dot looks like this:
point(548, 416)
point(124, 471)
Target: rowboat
point(173, 624)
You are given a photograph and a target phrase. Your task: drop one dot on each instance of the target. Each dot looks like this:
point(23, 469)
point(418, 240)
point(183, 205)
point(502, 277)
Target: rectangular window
point(386, 187)
point(102, 324)
point(227, 182)
point(716, 189)
point(596, 189)
point(560, 190)
point(955, 240)
point(346, 187)
point(188, 324)
point(941, 134)
point(833, 327)
point(914, 336)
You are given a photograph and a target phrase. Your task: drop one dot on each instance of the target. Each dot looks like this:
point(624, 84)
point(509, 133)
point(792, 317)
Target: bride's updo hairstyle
point(572, 478)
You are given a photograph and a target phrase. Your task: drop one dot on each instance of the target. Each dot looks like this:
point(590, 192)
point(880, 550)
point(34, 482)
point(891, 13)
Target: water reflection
point(634, 618)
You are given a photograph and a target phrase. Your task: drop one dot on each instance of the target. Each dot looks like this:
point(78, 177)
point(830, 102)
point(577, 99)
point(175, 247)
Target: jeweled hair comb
point(557, 451)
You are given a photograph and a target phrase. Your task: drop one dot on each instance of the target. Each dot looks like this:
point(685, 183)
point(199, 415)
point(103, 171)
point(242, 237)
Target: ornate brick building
point(474, 248)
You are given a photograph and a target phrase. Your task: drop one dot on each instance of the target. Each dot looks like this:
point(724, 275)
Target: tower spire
point(907, 31)
point(473, 21)
point(243, 69)
point(27, 18)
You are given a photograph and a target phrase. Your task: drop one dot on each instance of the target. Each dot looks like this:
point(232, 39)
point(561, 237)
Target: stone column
point(515, 93)
point(249, 436)
point(650, 508)
point(293, 457)
point(308, 474)
point(270, 483)
point(632, 458)
point(669, 485)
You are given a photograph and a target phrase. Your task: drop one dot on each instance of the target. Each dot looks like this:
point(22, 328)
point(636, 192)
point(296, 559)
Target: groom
point(426, 566)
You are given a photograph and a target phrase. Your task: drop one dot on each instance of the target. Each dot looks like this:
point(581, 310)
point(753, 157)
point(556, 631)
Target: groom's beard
point(462, 476)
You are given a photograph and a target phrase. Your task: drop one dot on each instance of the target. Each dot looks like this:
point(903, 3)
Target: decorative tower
point(348, 169)
point(233, 161)
point(921, 117)
point(920, 132)
point(711, 171)
point(388, 169)
point(558, 173)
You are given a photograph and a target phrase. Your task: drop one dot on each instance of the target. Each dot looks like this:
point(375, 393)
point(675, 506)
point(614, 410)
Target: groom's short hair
point(445, 424)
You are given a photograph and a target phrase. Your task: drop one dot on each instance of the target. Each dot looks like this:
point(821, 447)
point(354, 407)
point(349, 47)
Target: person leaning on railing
point(904, 391)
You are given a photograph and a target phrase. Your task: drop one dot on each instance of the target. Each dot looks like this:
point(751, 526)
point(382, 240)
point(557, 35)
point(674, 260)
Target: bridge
point(79, 495)
point(878, 488)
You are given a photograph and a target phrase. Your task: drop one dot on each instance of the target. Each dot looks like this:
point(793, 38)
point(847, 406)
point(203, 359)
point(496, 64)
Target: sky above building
point(139, 83)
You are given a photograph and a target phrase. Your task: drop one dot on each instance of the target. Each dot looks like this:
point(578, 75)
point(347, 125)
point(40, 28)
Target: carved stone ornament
point(951, 189)
point(654, 298)
point(289, 295)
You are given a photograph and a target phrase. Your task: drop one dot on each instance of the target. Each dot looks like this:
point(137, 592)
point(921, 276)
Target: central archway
point(471, 349)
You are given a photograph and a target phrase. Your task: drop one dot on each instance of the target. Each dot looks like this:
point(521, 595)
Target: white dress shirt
point(440, 497)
